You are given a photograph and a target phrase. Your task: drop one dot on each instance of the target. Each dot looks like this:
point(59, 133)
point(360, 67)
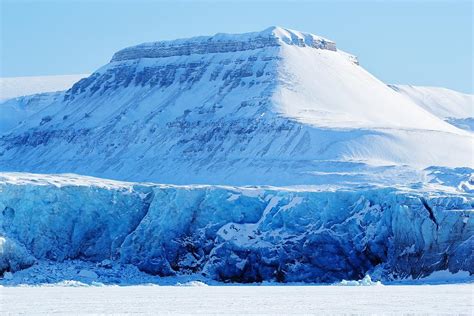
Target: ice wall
point(238, 234)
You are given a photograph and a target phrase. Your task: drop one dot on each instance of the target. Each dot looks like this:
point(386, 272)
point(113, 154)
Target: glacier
point(240, 234)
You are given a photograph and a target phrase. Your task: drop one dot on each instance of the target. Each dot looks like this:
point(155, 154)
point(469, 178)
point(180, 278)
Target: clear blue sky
point(411, 42)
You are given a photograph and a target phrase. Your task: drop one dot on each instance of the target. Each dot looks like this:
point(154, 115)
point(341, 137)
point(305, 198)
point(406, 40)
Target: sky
point(402, 42)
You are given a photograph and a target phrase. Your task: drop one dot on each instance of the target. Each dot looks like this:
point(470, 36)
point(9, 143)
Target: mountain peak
point(224, 42)
point(293, 37)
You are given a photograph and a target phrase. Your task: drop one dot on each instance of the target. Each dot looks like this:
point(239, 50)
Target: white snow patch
point(447, 276)
point(295, 201)
point(366, 281)
point(442, 102)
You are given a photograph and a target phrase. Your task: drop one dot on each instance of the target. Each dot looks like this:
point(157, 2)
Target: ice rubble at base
point(366, 281)
point(240, 234)
point(68, 274)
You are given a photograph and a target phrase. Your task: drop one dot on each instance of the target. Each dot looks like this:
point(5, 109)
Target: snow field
point(239, 300)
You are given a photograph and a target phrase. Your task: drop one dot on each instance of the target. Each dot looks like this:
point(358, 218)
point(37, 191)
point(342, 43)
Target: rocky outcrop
point(224, 43)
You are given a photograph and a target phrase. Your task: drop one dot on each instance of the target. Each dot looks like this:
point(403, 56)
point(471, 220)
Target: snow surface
point(348, 97)
point(21, 97)
point(12, 87)
point(233, 234)
point(454, 107)
point(240, 300)
point(442, 102)
point(264, 108)
point(14, 112)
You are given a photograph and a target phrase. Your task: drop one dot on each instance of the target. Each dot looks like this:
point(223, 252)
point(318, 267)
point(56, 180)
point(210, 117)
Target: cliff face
point(233, 233)
point(224, 43)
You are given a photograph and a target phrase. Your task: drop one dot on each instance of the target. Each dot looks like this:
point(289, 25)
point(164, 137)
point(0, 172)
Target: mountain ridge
point(222, 42)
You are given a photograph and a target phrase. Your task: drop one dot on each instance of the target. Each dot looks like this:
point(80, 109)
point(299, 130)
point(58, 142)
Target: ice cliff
point(241, 234)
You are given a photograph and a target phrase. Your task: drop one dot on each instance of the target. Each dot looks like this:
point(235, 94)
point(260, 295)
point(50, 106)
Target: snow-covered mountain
point(273, 107)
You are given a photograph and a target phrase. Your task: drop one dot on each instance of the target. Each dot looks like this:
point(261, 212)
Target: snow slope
point(451, 106)
point(239, 234)
point(21, 97)
point(12, 87)
point(13, 112)
point(276, 107)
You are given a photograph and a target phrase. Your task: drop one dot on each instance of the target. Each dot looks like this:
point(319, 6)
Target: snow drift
point(240, 234)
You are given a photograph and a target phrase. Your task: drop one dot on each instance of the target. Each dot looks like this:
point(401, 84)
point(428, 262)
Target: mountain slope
point(13, 112)
point(274, 107)
point(20, 97)
point(452, 106)
point(12, 87)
